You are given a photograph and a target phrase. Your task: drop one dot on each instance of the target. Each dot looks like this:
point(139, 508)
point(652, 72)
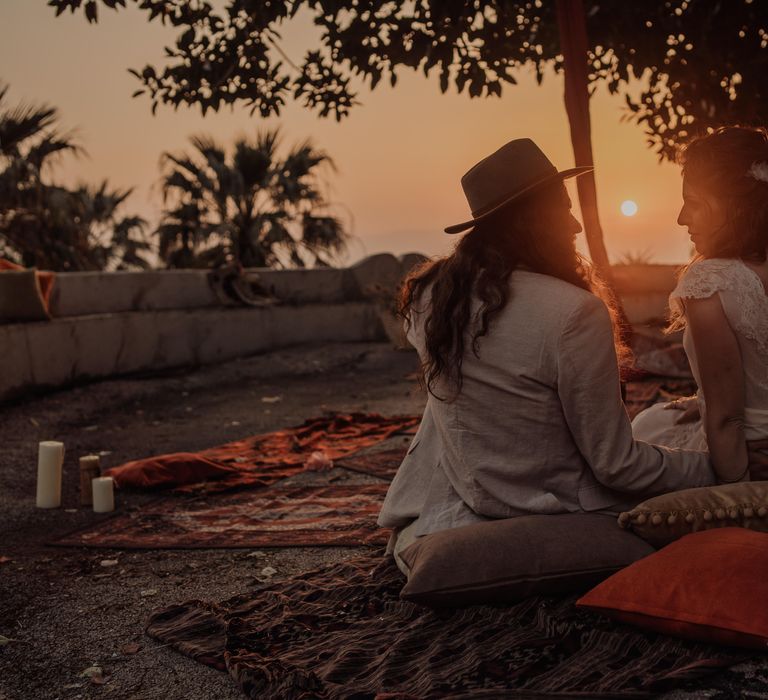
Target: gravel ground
point(66, 612)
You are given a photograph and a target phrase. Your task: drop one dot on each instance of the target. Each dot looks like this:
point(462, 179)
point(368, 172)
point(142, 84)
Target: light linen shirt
point(538, 426)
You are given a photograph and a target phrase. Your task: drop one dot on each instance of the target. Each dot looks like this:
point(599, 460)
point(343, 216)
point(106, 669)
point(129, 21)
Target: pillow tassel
point(665, 518)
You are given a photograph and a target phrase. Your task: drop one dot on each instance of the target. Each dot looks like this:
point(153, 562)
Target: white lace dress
point(745, 304)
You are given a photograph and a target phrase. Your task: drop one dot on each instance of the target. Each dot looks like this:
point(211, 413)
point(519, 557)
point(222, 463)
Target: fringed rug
point(342, 632)
point(281, 516)
point(262, 460)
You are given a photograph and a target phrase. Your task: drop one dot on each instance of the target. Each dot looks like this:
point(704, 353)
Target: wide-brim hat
point(516, 169)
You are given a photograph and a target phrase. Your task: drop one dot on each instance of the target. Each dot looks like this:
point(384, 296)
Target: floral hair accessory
point(759, 171)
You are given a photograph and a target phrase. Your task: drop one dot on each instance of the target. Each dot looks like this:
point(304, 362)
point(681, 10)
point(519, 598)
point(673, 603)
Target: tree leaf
point(91, 11)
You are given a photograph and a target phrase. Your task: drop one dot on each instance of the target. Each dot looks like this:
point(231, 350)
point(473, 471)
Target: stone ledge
point(321, 285)
point(64, 351)
point(645, 279)
point(86, 293)
point(644, 291)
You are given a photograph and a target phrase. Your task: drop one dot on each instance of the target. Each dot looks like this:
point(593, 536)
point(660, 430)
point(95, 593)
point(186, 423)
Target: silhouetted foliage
point(50, 226)
point(704, 62)
point(636, 257)
point(252, 207)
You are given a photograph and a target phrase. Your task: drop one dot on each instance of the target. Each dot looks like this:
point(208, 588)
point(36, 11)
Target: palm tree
point(254, 208)
point(50, 226)
point(88, 219)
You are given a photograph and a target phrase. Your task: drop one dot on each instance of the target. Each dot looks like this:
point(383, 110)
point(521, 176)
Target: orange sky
point(399, 156)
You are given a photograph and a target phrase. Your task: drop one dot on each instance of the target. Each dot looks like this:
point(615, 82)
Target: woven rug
point(262, 460)
point(383, 464)
point(342, 632)
point(280, 516)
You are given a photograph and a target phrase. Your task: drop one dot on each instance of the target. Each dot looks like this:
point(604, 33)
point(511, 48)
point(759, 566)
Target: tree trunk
point(574, 46)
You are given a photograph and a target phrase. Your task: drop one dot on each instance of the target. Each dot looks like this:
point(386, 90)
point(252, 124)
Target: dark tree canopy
point(50, 226)
point(703, 62)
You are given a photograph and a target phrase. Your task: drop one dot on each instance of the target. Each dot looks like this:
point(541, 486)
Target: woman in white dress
point(721, 303)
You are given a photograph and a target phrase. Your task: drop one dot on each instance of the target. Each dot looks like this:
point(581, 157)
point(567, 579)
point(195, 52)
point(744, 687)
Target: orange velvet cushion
point(709, 586)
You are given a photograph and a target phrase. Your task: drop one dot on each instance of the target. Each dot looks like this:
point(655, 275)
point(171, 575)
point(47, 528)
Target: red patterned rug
point(281, 516)
point(383, 464)
point(228, 511)
point(342, 632)
point(262, 460)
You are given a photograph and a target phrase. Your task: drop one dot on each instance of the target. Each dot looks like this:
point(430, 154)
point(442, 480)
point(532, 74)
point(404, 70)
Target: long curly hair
point(720, 162)
point(535, 233)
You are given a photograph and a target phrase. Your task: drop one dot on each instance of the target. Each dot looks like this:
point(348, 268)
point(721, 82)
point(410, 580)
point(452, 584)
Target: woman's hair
point(721, 163)
point(535, 233)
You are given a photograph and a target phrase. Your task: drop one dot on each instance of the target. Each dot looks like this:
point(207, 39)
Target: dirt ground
point(65, 611)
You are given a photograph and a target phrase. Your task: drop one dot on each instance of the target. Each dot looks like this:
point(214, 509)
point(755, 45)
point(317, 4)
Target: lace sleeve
point(701, 280)
point(747, 310)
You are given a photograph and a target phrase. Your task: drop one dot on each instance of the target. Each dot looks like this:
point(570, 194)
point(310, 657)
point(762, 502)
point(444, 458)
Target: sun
point(628, 207)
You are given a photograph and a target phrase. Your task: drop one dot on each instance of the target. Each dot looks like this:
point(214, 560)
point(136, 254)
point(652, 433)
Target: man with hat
point(524, 412)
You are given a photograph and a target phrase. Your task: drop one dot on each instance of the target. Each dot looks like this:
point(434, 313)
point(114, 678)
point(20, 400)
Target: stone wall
point(107, 324)
point(111, 323)
point(78, 348)
point(644, 291)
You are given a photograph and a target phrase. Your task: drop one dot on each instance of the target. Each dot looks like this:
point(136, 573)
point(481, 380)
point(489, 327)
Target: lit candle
point(49, 461)
point(103, 494)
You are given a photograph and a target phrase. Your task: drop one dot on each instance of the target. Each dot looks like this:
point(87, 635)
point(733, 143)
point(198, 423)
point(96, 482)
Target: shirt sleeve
point(590, 394)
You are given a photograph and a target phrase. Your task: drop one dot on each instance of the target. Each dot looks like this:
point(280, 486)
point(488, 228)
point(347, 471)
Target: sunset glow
point(628, 207)
point(397, 183)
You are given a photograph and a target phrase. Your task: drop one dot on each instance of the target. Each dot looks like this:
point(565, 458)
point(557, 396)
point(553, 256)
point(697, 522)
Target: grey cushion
point(508, 560)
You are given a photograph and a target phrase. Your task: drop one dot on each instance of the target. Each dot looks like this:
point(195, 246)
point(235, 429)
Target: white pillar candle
point(49, 462)
point(103, 494)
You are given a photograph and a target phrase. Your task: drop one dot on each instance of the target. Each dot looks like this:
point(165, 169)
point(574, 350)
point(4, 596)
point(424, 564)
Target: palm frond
point(194, 170)
point(268, 141)
point(177, 180)
point(254, 165)
point(51, 144)
point(22, 123)
point(323, 233)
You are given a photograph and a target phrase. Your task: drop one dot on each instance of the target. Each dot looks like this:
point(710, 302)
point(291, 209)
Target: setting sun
point(628, 207)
